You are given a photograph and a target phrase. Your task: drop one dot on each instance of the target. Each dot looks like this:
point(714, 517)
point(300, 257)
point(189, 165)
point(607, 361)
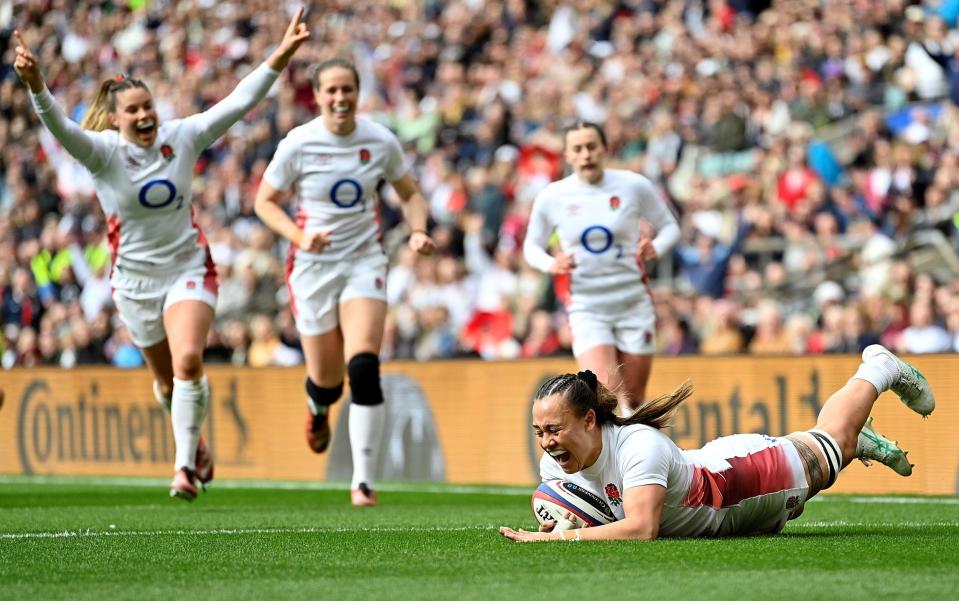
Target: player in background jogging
point(336, 272)
point(164, 281)
point(596, 214)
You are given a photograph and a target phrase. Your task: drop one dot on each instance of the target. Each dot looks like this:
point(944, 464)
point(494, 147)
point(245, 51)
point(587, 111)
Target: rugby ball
point(570, 505)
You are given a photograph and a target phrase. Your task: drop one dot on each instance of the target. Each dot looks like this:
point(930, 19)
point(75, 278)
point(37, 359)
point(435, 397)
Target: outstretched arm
point(643, 506)
point(79, 143)
point(215, 121)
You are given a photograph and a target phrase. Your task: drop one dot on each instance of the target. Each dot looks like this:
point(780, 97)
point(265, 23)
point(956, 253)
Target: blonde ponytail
point(105, 102)
point(98, 115)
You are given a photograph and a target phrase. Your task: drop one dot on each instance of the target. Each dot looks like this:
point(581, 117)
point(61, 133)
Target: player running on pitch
point(596, 213)
point(336, 272)
point(164, 281)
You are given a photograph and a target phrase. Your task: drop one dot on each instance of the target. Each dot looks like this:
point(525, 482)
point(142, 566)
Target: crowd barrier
point(453, 421)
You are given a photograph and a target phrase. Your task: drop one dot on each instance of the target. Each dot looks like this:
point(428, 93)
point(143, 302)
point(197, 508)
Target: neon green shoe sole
point(873, 446)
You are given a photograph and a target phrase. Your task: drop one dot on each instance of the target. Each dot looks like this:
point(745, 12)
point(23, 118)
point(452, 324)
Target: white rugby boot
point(873, 446)
point(910, 386)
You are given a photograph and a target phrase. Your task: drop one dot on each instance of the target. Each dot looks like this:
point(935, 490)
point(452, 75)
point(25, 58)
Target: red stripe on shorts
point(209, 278)
point(291, 260)
point(757, 474)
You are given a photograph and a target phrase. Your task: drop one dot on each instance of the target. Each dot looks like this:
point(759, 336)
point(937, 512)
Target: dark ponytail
point(583, 391)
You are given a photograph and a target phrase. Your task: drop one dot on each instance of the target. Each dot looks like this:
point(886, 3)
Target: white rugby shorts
point(630, 328)
point(142, 301)
point(318, 287)
point(778, 487)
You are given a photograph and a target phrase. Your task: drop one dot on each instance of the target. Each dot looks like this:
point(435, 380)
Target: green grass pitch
point(121, 539)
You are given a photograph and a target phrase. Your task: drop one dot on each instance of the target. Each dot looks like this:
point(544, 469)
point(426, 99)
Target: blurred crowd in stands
point(810, 149)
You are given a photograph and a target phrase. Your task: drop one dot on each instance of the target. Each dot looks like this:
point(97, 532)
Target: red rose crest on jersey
point(364, 156)
point(190, 285)
point(612, 493)
point(379, 283)
point(166, 151)
point(614, 202)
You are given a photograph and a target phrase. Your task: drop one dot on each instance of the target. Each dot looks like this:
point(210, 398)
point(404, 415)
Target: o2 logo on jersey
point(598, 239)
point(159, 193)
point(346, 193)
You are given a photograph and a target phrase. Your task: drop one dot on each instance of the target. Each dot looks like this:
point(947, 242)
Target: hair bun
point(589, 378)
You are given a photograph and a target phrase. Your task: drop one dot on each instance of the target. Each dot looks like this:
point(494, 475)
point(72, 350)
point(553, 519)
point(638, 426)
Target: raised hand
point(296, 34)
point(26, 65)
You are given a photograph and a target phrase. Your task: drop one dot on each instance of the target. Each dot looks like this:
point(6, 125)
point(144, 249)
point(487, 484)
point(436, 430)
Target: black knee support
point(323, 396)
point(364, 371)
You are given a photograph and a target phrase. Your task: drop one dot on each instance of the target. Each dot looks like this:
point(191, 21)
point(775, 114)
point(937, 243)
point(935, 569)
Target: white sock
point(188, 411)
point(366, 437)
point(880, 371)
point(161, 398)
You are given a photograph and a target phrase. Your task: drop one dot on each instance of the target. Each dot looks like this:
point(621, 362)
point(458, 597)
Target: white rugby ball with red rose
point(570, 505)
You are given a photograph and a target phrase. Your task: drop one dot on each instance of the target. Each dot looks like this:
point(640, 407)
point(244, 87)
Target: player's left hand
point(645, 250)
point(26, 66)
point(296, 34)
point(524, 536)
point(422, 243)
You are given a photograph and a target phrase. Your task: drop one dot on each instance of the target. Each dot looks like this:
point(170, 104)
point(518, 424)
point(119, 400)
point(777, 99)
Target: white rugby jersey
point(334, 178)
point(146, 193)
point(600, 225)
point(741, 484)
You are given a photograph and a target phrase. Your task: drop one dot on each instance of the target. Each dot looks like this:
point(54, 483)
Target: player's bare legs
point(324, 357)
point(187, 324)
point(635, 374)
point(160, 362)
point(603, 361)
point(843, 431)
point(845, 413)
point(362, 321)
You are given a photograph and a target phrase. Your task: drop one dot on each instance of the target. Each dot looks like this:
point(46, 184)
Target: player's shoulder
point(628, 176)
point(559, 186)
point(105, 136)
point(312, 129)
point(374, 129)
point(638, 435)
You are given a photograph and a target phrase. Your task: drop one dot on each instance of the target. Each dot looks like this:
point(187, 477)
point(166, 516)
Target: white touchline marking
point(226, 532)
point(313, 530)
point(905, 500)
point(889, 500)
point(844, 523)
point(419, 487)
